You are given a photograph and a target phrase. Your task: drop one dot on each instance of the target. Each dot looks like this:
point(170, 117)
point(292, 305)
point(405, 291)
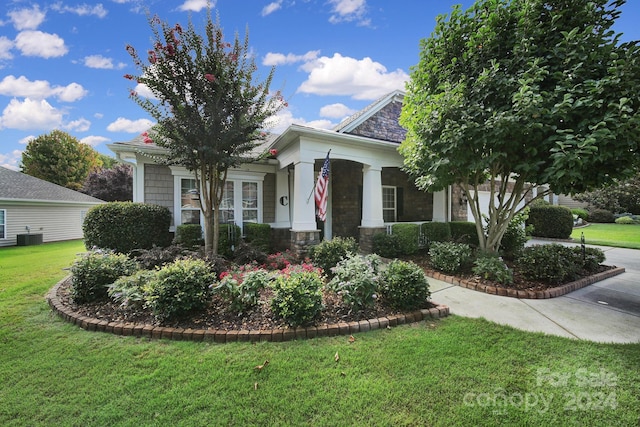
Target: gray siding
point(158, 186)
point(269, 198)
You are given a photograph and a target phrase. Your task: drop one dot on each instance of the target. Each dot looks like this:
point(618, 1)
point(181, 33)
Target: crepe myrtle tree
point(511, 95)
point(211, 113)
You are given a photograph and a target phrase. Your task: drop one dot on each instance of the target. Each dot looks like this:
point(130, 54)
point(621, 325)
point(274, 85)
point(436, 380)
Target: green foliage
point(125, 226)
point(450, 257)
point(179, 288)
point(490, 266)
point(436, 231)
point(229, 238)
point(189, 236)
point(464, 232)
point(356, 280)
point(404, 285)
point(387, 245)
point(621, 196)
point(551, 221)
point(516, 235)
point(129, 290)
point(526, 91)
point(241, 290)
point(328, 253)
point(297, 297)
point(625, 220)
point(407, 237)
point(552, 263)
point(60, 158)
point(280, 260)
point(580, 213)
point(246, 253)
point(601, 216)
point(111, 184)
point(258, 235)
point(95, 271)
point(590, 260)
point(157, 256)
point(210, 108)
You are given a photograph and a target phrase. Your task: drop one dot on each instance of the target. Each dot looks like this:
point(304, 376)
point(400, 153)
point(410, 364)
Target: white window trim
point(4, 228)
point(395, 202)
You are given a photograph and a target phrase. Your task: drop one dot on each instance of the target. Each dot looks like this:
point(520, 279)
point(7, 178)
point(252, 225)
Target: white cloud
point(143, 90)
point(11, 160)
point(27, 19)
point(99, 61)
point(336, 111)
point(40, 89)
point(348, 11)
point(37, 43)
point(81, 10)
point(26, 139)
point(281, 121)
point(195, 5)
point(5, 48)
point(272, 58)
point(80, 125)
point(361, 79)
point(130, 126)
point(30, 115)
point(271, 7)
point(94, 140)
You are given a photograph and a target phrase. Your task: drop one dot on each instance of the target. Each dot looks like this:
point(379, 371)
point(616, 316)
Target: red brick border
point(223, 336)
point(515, 293)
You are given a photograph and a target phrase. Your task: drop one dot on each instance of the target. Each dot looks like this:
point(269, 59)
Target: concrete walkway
point(607, 311)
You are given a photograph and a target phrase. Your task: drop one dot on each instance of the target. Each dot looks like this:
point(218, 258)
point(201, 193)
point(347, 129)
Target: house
point(367, 188)
point(37, 208)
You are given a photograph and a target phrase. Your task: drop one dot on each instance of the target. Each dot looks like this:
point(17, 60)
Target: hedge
point(464, 232)
point(436, 231)
point(258, 235)
point(408, 234)
point(551, 221)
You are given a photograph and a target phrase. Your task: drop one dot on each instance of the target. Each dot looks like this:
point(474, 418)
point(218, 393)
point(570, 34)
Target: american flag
point(322, 189)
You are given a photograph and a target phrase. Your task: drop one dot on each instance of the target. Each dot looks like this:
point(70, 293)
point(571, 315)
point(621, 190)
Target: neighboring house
point(367, 188)
point(29, 205)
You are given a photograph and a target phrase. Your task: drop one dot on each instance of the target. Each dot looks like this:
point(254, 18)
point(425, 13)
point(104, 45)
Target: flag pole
point(313, 189)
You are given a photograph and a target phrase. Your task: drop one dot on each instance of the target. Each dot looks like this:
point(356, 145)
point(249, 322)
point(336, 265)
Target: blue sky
point(62, 62)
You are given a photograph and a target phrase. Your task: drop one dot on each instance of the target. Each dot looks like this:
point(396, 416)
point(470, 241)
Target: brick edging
point(516, 293)
point(224, 336)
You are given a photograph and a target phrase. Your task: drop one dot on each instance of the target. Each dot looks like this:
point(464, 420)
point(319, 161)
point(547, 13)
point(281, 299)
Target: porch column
point(440, 206)
point(283, 200)
point(304, 232)
point(372, 197)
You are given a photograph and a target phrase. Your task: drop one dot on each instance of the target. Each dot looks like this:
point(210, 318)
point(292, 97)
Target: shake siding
point(269, 198)
point(158, 186)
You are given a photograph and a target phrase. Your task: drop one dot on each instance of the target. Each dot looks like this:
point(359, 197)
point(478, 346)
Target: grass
point(620, 235)
point(455, 371)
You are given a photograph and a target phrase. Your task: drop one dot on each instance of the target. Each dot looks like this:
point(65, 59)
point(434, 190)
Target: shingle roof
point(367, 111)
point(19, 186)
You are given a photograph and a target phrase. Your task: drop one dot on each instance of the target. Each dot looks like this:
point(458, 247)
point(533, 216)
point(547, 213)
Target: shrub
point(328, 253)
point(247, 253)
point(516, 235)
point(404, 285)
point(242, 290)
point(491, 267)
point(590, 260)
point(464, 232)
point(280, 260)
point(297, 298)
point(551, 221)
point(125, 226)
point(436, 231)
point(551, 263)
point(450, 257)
point(408, 235)
point(356, 280)
point(148, 259)
point(229, 237)
point(601, 216)
point(92, 273)
point(258, 235)
point(581, 213)
point(625, 220)
point(179, 288)
point(129, 290)
point(189, 236)
point(386, 245)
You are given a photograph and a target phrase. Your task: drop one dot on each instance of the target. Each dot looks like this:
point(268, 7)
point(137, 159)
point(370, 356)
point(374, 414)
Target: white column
point(372, 197)
point(283, 198)
point(304, 211)
point(440, 206)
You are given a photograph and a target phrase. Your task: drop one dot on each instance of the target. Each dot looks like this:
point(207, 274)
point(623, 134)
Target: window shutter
point(400, 202)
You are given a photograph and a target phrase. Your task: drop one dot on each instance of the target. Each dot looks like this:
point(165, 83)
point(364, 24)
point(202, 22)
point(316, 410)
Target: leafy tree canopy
point(211, 111)
point(517, 93)
point(60, 158)
point(113, 184)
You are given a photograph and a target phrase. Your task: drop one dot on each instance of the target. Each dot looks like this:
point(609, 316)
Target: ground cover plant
point(455, 371)
point(620, 235)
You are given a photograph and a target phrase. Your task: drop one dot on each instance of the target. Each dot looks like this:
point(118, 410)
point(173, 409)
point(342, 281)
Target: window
point(249, 202)
point(189, 202)
point(389, 206)
point(227, 210)
point(3, 224)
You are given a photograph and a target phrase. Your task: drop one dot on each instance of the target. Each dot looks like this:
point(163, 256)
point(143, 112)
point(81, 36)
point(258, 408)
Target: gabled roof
point(355, 120)
point(21, 187)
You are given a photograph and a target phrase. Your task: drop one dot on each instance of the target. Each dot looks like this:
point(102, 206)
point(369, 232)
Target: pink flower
point(210, 77)
point(273, 152)
point(148, 140)
point(152, 57)
point(128, 76)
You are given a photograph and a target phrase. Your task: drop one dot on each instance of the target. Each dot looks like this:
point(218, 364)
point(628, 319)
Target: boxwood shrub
point(552, 263)
point(408, 235)
point(189, 236)
point(601, 216)
point(297, 298)
point(95, 271)
point(404, 286)
point(551, 221)
point(125, 226)
point(464, 232)
point(436, 231)
point(387, 245)
point(328, 253)
point(258, 235)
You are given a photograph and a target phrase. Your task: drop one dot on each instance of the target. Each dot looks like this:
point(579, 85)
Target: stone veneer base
point(516, 293)
point(223, 336)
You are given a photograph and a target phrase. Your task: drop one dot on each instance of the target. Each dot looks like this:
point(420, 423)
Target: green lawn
point(455, 371)
point(620, 235)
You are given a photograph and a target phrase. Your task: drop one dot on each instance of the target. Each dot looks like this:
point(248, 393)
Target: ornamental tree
point(60, 158)
point(512, 95)
point(110, 184)
point(210, 111)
